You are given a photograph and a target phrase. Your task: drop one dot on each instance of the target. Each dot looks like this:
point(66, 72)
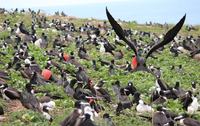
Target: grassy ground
point(16, 114)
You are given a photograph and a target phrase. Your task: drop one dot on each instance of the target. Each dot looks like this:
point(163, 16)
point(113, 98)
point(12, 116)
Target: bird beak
point(81, 117)
point(90, 97)
point(80, 82)
point(167, 124)
point(14, 37)
point(2, 86)
point(179, 117)
point(166, 92)
point(50, 109)
point(82, 103)
point(174, 89)
point(125, 89)
point(33, 85)
point(165, 108)
point(112, 115)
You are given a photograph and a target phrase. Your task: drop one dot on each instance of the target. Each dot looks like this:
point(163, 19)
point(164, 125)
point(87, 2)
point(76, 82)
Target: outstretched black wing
point(169, 36)
point(119, 31)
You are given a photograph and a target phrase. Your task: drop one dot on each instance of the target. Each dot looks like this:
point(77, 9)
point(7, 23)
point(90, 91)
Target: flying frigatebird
point(139, 62)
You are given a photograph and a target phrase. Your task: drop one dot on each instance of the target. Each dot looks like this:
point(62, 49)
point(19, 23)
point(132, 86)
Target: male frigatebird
point(139, 62)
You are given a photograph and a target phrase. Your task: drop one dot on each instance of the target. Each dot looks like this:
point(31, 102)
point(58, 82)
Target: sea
point(141, 11)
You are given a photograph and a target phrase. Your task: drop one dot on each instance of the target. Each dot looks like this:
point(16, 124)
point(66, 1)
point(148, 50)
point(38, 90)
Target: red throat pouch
point(46, 73)
point(134, 61)
point(122, 53)
point(91, 100)
point(65, 56)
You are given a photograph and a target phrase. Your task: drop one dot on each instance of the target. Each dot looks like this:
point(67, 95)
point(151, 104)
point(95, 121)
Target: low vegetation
point(141, 80)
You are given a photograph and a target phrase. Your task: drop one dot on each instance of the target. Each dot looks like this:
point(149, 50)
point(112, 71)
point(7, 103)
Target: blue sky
point(142, 11)
point(8, 4)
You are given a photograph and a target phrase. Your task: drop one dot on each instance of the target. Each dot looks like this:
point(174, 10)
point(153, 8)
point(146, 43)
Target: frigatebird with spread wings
point(139, 62)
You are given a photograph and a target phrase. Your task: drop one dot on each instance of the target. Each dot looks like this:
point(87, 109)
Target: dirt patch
point(59, 112)
point(139, 26)
point(14, 106)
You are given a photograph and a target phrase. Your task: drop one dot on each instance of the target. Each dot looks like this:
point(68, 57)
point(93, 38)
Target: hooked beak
point(167, 124)
point(165, 108)
point(81, 117)
point(179, 117)
point(80, 82)
point(50, 109)
point(82, 103)
point(112, 115)
point(90, 97)
point(2, 86)
point(125, 89)
point(33, 85)
point(166, 92)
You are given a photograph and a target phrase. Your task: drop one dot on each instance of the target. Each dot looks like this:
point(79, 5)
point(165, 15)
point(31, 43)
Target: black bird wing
point(35, 103)
point(163, 85)
point(44, 99)
point(119, 31)
point(197, 51)
point(191, 122)
point(28, 101)
point(12, 94)
point(159, 100)
point(159, 119)
point(23, 30)
point(71, 119)
point(169, 36)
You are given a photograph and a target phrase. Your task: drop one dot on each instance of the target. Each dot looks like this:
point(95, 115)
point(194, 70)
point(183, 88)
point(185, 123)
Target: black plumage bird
point(9, 93)
point(141, 61)
point(35, 79)
point(72, 118)
point(119, 55)
point(159, 118)
point(94, 66)
point(186, 121)
point(98, 91)
point(69, 89)
point(81, 75)
point(131, 89)
point(28, 100)
point(107, 120)
point(161, 99)
point(103, 62)
point(18, 66)
point(1, 110)
point(34, 65)
point(87, 121)
point(116, 87)
point(23, 29)
point(121, 106)
point(63, 80)
point(112, 71)
point(83, 55)
point(161, 84)
point(158, 72)
point(122, 95)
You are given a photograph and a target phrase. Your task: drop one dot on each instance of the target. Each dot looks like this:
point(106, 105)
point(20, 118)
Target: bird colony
point(61, 70)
